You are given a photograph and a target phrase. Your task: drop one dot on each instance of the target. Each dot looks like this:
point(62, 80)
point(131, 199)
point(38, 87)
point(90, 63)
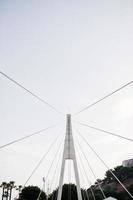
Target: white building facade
point(127, 163)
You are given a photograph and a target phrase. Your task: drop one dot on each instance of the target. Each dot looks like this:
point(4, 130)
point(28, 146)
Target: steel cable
point(104, 131)
point(103, 98)
point(27, 136)
point(31, 93)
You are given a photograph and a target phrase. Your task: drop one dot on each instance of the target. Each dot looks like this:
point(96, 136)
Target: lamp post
point(43, 183)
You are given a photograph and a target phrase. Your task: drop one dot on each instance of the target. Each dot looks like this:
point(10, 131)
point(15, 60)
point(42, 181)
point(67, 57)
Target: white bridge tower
point(69, 154)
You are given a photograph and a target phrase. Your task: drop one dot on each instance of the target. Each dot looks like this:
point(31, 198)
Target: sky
point(70, 53)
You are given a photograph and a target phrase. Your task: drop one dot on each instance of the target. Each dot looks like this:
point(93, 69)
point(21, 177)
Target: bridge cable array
point(31, 93)
point(41, 161)
point(80, 173)
point(55, 175)
point(89, 165)
point(83, 124)
point(92, 192)
point(103, 98)
point(55, 171)
point(97, 155)
point(55, 156)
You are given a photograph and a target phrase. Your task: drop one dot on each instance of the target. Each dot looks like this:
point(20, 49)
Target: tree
point(32, 193)
point(7, 189)
point(69, 191)
point(122, 173)
point(4, 190)
point(10, 187)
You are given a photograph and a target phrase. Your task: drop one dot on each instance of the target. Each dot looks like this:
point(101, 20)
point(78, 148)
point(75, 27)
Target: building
point(127, 163)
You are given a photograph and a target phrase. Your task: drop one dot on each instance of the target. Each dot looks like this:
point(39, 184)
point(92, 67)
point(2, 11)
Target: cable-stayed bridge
point(69, 146)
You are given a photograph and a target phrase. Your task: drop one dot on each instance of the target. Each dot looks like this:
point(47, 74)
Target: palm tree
point(4, 190)
point(7, 189)
point(10, 187)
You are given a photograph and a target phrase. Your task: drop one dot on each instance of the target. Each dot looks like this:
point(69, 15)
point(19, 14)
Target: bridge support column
point(69, 154)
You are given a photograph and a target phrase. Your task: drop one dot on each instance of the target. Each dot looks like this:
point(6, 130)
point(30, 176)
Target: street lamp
point(43, 183)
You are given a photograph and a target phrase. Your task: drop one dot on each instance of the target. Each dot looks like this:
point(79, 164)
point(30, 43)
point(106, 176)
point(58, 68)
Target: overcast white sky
point(70, 53)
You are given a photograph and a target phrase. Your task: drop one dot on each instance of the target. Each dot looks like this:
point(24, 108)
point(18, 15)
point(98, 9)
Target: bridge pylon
point(69, 154)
